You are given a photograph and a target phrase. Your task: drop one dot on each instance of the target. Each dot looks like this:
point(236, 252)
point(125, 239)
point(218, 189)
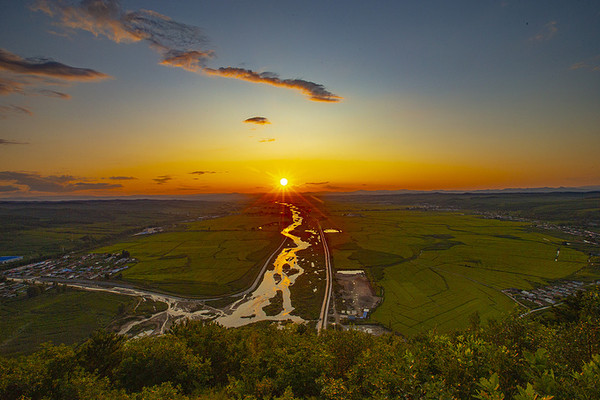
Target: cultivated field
point(49, 229)
point(436, 269)
point(205, 258)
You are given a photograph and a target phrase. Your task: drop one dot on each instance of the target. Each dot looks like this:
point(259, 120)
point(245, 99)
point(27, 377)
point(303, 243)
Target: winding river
point(286, 270)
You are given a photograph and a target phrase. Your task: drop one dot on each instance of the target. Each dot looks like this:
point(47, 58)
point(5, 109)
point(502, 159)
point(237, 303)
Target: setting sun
point(283, 182)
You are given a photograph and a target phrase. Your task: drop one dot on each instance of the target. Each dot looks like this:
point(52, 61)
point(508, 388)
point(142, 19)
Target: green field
point(206, 258)
point(37, 230)
point(436, 269)
point(67, 318)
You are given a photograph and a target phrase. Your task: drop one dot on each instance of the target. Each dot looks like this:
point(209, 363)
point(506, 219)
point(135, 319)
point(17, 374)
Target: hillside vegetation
point(517, 358)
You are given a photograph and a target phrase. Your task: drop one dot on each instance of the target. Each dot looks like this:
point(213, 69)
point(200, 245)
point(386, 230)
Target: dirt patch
point(356, 295)
point(376, 330)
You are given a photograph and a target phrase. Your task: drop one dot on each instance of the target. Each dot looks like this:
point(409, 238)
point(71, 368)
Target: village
point(91, 266)
point(546, 295)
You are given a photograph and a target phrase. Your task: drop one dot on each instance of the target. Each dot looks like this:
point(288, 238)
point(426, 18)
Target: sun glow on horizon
point(283, 182)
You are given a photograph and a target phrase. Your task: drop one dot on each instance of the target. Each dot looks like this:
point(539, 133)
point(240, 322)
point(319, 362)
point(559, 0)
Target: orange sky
point(203, 99)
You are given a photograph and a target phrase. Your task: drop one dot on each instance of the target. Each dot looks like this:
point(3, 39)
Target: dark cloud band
point(161, 180)
point(15, 64)
point(52, 184)
point(314, 91)
point(202, 172)
point(257, 120)
point(4, 141)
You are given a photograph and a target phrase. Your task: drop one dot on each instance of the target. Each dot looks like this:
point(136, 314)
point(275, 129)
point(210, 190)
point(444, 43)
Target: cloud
point(52, 183)
point(122, 178)
point(11, 85)
point(193, 61)
point(203, 172)
point(317, 183)
point(591, 64)
point(18, 75)
point(4, 141)
point(193, 187)
point(266, 140)
point(93, 185)
point(160, 180)
point(54, 93)
point(257, 120)
point(314, 91)
point(180, 45)
point(333, 187)
point(8, 188)
point(11, 109)
point(177, 42)
point(547, 32)
point(43, 67)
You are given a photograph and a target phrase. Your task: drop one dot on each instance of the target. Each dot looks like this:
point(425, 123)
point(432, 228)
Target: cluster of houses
point(546, 295)
point(590, 237)
point(10, 289)
point(88, 266)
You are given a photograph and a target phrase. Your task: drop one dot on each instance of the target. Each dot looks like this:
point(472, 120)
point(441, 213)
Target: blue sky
point(434, 95)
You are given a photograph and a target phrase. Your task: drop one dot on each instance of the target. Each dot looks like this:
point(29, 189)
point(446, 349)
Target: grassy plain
point(204, 258)
point(67, 317)
point(570, 208)
point(47, 229)
point(435, 269)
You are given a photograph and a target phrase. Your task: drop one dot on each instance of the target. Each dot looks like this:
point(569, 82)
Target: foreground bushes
point(519, 358)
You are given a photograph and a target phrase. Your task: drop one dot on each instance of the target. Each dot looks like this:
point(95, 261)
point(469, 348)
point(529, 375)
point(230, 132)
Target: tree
point(153, 361)
point(33, 291)
point(101, 353)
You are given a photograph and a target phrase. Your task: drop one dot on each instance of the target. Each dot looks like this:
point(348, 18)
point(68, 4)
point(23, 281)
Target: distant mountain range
point(561, 189)
point(241, 196)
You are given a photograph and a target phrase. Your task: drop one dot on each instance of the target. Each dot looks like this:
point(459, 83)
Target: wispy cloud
point(180, 45)
point(5, 141)
point(8, 188)
point(317, 183)
point(257, 120)
point(267, 140)
point(31, 76)
point(52, 183)
point(44, 67)
point(546, 33)
point(122, 178)
point(333, 187)
point(54, 93)
point(93, 185)
point(11, 109)
point(10, 86)
point(161, 180)
point(591, 64)
point(202, 172)
point(18, 83)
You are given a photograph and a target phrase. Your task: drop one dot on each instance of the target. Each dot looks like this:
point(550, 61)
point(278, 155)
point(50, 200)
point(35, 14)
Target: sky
point(109, 98)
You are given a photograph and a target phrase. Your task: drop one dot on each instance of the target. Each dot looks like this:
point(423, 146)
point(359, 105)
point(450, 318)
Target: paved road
point(322, 323)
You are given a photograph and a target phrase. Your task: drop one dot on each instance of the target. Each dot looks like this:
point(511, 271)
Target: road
point(322, 323)
point(132, 290)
